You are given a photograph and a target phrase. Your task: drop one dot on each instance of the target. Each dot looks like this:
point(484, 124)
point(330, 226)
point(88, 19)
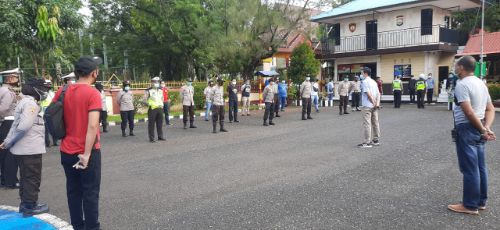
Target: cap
point(71, 75)
point(422, 75)
point(85, 65)
point(155, 79)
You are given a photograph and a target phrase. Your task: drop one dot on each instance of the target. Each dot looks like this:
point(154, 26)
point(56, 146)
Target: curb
point(56, 222)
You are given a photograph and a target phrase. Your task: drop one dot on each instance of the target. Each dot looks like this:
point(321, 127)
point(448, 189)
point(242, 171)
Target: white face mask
point(156, 85)
point(127, 88)
point(308, 78)
point(234, 83)
point(72, 81)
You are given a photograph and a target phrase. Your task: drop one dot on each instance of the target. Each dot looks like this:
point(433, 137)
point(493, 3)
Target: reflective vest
point(155, 98)
point(420, 85)
point(45, 103)
point(396, 85)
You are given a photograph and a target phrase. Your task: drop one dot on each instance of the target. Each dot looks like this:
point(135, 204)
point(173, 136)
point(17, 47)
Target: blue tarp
point(14, 220)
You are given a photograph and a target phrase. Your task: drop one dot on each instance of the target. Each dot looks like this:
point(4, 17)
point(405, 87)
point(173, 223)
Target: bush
point(139, 104)
point(494, 91)
point(174, 97)
point(292, 92)
point(199, 97)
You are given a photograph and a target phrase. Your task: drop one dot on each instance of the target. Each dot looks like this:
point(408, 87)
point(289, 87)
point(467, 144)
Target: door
point(442, 75)
point(426, 22)
point(371, 35)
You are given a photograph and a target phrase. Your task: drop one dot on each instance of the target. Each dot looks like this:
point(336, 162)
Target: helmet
point(155, 79)
point(126, 82)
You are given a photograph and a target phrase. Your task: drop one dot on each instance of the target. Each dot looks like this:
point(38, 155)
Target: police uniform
point(232, 91)
point(397, 88)
point(187, 93)
point(154, 100)
point(305, 94)
point(420, 86)
point(269, 100)
point(217, 98)
point(8, 165)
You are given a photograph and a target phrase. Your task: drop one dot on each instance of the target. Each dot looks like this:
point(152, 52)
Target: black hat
point(33, 87)
point(126, 82)
point(85, 65)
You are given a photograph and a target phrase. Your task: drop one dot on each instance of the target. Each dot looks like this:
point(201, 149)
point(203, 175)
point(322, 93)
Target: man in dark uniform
point(232, 91)
point(412, 89)
point(8, 102)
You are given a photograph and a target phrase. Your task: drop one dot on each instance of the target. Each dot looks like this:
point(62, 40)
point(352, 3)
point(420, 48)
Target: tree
point(469, 20)
point(303, 63)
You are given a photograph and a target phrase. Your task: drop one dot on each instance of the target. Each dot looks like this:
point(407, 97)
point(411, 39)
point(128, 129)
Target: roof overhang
point(337, 14)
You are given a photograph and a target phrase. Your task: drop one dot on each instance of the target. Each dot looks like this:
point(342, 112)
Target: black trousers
point(188, 111)
point(127, 117)
point(430, 93)
point(155, 117)
point(344, 100)
point(306, 107)
point(82, 190)
point(8, 164)
point(30, 168)
point(218, 114)
point(412, 95)
point(233, 110)
point(397, 98)
point(420, 98)
point(356, 97)
point(166, 112)
point(269, 112)
point(103, 118)
point(276, 103)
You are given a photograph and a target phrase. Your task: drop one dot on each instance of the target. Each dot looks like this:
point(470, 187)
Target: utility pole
point(80, 35)
point(125, 58)
point(482, 39)
point(105, 54)
point(91, 36)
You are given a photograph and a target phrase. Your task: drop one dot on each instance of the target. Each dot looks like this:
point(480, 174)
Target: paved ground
point(296, 175)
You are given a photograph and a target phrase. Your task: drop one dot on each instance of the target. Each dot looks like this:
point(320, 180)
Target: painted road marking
point(10, 218)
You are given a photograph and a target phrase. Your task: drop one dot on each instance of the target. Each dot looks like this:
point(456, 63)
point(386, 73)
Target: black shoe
point(55, 144)
point(124, 134)
point(47, 145)
point(346, 113)
point(310, 118)
point(131, 134)
point(230, 121)
point(271, 123)
point(237, 121)
point(304, 118)
point(192, 127)
point(223, 130)
point(38, 209)
point(214, 131)
point(277, 115)
point(15, 186)
point(161, 139)
point(152, 141)
point(265, 124)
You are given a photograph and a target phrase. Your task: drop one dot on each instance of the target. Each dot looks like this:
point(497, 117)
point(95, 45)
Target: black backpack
point(54, 117)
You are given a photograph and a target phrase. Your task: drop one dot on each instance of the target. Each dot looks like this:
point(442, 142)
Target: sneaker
point(376, 143)
point(461, 209)
point(38, 209)
point(364, 145)
point(482, 207)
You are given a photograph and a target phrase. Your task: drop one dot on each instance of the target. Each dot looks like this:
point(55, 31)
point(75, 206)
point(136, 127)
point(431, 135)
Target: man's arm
point(90, 138)
point(469, 113)
point(489, 116)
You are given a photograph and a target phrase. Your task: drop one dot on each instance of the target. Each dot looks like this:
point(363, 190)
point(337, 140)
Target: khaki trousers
point(246, 105)
point(370, 125)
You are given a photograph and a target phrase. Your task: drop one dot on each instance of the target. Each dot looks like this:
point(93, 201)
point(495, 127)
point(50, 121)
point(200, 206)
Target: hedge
point(494, 91)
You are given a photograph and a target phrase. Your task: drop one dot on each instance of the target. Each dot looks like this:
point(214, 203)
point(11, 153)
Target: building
point(491, 50)
point(392, 37)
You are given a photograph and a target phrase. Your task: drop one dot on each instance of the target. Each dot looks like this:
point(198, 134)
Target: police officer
point(343, 91)
point(125, 100)
point(8, 102)
point(187, 93)
point(217, 97)
point(305, 94)
point(420, 86)
point(153, 97)
point(397, 88)
point(268, 95)
point(69, 79)
point(44, 104)
point(232, 91)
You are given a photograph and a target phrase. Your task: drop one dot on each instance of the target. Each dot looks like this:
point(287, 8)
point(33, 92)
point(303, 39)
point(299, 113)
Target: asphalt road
point(295, 175)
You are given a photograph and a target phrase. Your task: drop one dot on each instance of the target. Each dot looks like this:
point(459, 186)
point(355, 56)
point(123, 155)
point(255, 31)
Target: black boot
point(265, 123)
point(105, 128)
point(185, 125)
point(123, 133)
point(33, 209)
point(214, 125)
point(222, 129)
point(192, 125)
point(304, 116)
point(340, 111)
point(131, 133)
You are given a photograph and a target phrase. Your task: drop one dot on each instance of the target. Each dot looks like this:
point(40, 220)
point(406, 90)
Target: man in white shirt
point(370, 101)
point(314, 95)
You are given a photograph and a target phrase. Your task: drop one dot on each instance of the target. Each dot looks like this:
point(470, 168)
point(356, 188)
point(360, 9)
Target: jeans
point(82, 188)
point(356, 97)
point(330, 96)
point(208, 104)
point(127, 117)
point(30, 169)
point(314, 99)
point(166, 112)
point(233, 110)
point(283, 103)
point(471, 160)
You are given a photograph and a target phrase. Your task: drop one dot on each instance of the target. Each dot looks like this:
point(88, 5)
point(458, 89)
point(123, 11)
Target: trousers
point(370, 125)
point(127, 117)
point(269, 112)
point(8, 164)
point(30, 169)
point(155, 117)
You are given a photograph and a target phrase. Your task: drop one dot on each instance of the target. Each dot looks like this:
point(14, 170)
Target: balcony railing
point(391, 39)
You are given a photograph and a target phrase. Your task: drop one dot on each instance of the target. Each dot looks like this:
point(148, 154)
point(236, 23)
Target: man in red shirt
point(80, 148)
point(166, 102)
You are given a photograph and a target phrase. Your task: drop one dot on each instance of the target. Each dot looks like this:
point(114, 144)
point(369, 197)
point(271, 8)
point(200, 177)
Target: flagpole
point(482, 38)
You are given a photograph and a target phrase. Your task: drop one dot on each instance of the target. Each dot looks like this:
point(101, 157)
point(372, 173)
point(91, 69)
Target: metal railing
point(392, 39)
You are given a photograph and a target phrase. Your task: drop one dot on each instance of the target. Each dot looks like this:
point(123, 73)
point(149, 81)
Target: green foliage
point(303, 63)
point(469, 20)
point(199, 97)
point(138, 103)
point(174, 97)
point(494, 90)
point(292, 92)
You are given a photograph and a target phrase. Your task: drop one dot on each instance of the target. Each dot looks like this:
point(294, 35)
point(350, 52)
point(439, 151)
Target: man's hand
point(489, 135)
point(83, 161)
point(2, 146)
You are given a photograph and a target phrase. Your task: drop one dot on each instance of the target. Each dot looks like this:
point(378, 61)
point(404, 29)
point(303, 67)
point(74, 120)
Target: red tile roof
point(491, 44)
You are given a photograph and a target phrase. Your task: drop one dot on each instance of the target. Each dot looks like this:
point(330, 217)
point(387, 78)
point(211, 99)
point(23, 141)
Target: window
point(426, 22)
point(335, 34)
point(402, 70)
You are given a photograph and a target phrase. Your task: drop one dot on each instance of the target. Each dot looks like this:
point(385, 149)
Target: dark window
point(426, 21)
point(335, 33)
point(371, 35)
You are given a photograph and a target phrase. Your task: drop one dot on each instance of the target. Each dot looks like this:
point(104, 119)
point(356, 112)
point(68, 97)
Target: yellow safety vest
point(420, 85)
point(155, 98)
point(396, 85)
point(45, 103)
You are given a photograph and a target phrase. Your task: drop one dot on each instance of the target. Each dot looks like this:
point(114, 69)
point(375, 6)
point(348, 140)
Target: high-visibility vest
point(155, 98)
point(396, 85)
point(420, 85)
point(45, 103)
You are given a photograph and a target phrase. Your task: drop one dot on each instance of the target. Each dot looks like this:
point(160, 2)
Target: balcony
point(388, 40)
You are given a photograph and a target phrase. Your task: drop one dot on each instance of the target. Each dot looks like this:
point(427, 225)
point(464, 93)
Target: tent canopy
point(267, 73)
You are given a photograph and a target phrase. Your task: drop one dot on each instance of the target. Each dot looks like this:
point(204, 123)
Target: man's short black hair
point(468, 63)
point(367, 70)
point(85, 65)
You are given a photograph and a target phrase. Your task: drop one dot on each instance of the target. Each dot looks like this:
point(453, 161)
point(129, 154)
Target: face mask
point(283, 82)
point(345, 79)
point(234, 83)
point(308, 78)
point(189, 83)
point(43, 95)
point(72, 81)
point(127, 88)
point(156, 85)
point(362, 77)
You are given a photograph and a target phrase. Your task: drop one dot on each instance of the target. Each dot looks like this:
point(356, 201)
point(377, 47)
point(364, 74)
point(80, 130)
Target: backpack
point(54, 117)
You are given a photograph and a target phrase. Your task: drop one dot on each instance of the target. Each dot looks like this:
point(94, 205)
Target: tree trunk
point(35, 64)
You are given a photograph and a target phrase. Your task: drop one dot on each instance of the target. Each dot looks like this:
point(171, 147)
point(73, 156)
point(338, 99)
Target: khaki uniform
point(217, 97)
point(305, 94)
point(8, 164)
point(268, 94)
point(187, 93)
